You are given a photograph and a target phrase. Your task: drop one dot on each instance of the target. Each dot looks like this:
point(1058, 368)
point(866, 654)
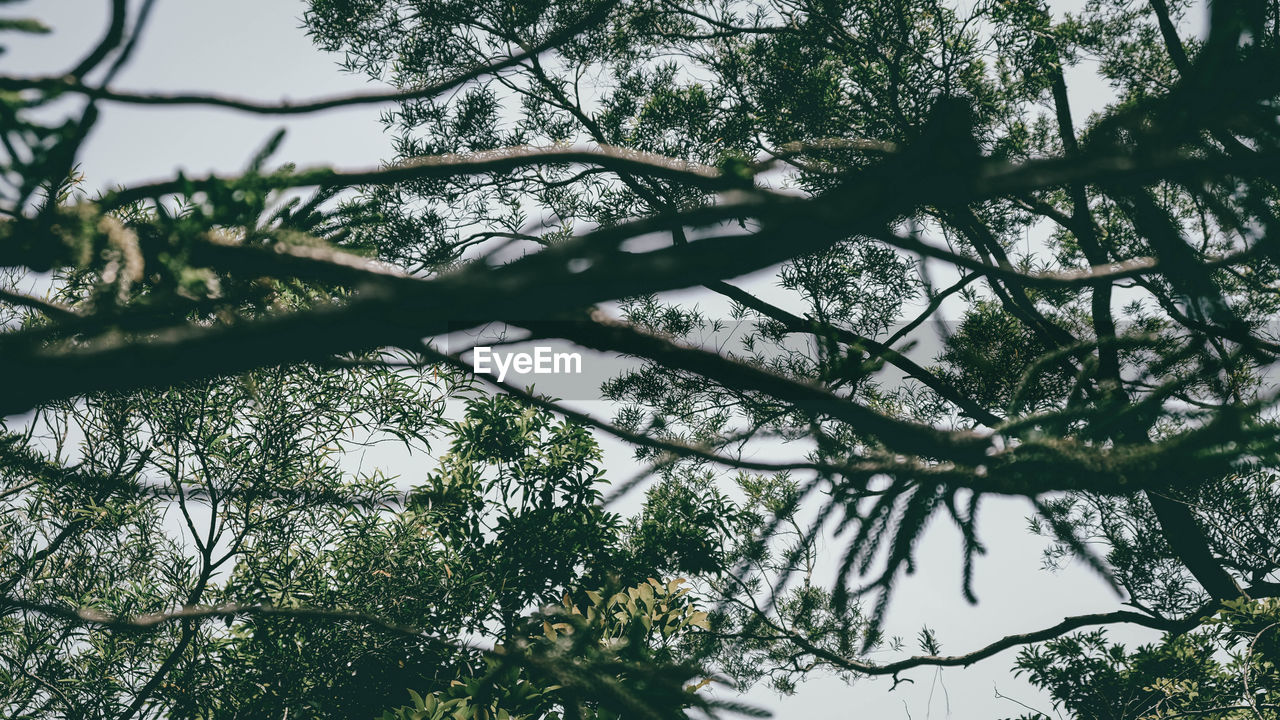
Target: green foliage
point(634, 628)
point(991, 351)
point(1228, 670)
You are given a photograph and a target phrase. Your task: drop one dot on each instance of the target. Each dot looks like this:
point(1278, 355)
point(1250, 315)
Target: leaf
point(24, 25)
point(701, 684)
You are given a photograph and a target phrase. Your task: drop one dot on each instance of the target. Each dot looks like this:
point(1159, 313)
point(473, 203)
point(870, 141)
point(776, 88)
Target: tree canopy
point(950, 274)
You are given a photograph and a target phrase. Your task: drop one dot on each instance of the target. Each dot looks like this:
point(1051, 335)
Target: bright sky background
point(256, 48)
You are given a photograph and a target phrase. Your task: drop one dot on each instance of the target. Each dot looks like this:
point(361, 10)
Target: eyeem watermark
point(542, 361)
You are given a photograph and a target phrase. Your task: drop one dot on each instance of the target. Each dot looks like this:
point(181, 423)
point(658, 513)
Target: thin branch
point(53, 310)
point(71, 83)
point(503, 160)
point(1067, 625)
point(154, 621)
point(111, 39)
point(913, 369)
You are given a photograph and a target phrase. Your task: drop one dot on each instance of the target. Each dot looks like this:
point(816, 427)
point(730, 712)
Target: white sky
point(256, 48)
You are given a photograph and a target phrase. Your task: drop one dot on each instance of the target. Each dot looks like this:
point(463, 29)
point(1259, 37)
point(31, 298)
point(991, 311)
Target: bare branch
point(1067, 625)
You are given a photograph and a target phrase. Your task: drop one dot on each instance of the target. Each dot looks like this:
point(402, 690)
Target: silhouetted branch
point(71, 82)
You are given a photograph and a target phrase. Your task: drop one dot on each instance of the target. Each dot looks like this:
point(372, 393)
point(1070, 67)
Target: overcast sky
point(256, 48)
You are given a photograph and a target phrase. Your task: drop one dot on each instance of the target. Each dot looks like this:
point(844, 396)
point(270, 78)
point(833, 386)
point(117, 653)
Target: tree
point(323, 576)
point(887, 159)
point(1179, 677)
